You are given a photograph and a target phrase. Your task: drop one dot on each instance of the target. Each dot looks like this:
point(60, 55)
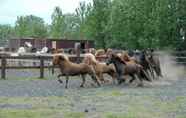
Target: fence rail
point(39, 59)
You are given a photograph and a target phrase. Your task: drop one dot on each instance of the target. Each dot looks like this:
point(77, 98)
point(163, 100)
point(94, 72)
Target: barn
point(15, 43)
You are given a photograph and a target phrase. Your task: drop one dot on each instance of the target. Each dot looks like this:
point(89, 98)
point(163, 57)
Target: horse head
point(57, 59)
point(114, 58)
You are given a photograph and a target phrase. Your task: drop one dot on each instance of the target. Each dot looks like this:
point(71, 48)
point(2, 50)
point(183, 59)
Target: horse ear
point(123, 62)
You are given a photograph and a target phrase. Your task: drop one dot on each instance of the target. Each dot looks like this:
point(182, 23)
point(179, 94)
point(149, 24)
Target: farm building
point(50, 43)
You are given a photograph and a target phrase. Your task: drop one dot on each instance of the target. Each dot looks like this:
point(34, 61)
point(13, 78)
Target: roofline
point(53, 39)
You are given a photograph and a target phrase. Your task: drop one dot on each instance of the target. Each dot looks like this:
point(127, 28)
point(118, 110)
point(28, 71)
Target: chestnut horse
point(69, 68)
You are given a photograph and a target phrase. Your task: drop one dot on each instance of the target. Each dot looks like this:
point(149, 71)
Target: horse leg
point(59, 80)
point(150, 72)
point(113, 75)
point(144, 75)
point(95, 79)
point(141, 82)
point(133, 78)
point(120, 79)
point(67, 78)
point(100, 76)
point(83, 82)
point(159, 72)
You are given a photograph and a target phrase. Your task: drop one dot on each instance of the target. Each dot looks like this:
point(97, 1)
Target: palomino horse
point(69, 68)
point(132, 69)
point(100, 67)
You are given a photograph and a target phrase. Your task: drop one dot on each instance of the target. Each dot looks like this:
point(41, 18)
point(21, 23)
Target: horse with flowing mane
point(100, 67)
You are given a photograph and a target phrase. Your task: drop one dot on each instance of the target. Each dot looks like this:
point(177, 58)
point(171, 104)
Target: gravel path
point(51, 87)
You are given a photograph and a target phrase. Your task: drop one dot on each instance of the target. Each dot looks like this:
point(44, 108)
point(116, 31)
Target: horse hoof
point(120, 82)
point(99, 85)
point(86, 111)
point(82, 86)
point(140, 85)
point(60, 81)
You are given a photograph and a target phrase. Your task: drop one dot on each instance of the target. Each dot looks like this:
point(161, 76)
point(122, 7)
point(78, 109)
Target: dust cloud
point(170, 69)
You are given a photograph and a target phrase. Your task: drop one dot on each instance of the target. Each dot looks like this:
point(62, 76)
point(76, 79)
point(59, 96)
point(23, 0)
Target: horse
point(100, 52)
point(131, 69)
point(100, 68)
point(155, 62)
point(69, 68)
point(142, 59)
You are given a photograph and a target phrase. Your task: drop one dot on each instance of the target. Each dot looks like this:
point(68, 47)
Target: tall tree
point(58, 23)
point(82, 13)
point(98, 21)
point(30, 26)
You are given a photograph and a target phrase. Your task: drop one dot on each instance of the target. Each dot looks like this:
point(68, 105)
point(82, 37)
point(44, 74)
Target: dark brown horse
point(155, 62)
point(142, 59)
point(131, 69)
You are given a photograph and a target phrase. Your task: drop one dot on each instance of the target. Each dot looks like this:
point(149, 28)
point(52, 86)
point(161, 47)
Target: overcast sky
point(10, 9)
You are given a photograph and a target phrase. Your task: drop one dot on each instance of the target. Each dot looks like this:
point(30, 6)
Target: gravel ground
point(161, 100)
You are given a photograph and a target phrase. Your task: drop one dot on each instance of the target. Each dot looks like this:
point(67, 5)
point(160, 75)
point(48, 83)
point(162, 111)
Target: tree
point(71, 27)
point(82, 13)
point(30, 26)
point(6, 32)
point(58, 23)
point(98, 21)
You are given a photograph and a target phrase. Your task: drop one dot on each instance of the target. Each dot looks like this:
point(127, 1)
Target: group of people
point(143, 65)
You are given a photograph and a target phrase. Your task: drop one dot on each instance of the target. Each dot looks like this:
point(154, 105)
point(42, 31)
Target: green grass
point(39, 113)
point(108, 104)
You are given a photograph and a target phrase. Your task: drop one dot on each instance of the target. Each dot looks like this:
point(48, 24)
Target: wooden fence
point(40, 62)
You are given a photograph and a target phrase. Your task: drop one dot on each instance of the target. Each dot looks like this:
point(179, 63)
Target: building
point(14, 44)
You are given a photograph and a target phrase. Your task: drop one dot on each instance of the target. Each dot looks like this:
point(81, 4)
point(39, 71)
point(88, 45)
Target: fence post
point(78, 51)
point(41, 67)
point(3, 67)
point(53, 70)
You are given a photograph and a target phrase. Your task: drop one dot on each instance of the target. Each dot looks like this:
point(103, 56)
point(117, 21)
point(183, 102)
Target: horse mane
point(63, 55)
point(115, 56)
point(126, 57)
point(90, 58)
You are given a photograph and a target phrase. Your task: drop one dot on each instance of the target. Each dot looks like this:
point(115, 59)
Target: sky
point(10, 9)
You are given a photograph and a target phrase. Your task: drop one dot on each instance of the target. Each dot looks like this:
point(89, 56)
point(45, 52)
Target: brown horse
point(100, 68)
point(69, 68)
point(131, 69)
